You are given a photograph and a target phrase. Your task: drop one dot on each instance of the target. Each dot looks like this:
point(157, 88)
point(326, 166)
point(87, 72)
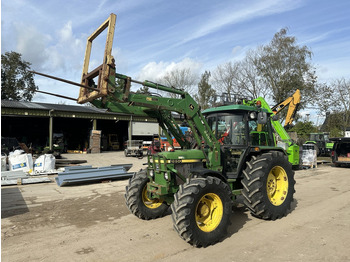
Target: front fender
point(204, 172)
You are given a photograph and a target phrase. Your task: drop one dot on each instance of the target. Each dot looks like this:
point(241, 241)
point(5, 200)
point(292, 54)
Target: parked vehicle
point(321, 141)
point(155, 146)
point(341, 151)
point(134, 148)
point(113, 142)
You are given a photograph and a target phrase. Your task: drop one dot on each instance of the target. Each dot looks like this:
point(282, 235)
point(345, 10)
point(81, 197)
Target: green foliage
point(16, 82)
point(144, 90)
point(333, 100)
point(303, 129)
point(119, 83)
point(335, 124)
point(284, 66)
point(206, 93)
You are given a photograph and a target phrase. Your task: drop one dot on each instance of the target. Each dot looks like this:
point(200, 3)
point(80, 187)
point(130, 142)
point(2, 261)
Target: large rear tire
point(268, 185)
point(137, 200)
point(201, 211)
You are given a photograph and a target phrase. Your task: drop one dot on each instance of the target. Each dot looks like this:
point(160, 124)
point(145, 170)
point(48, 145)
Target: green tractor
point(238, 156)
point(229, 150)
point(322, 143)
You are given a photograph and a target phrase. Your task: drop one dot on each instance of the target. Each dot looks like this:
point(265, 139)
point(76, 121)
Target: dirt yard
point(44, 222)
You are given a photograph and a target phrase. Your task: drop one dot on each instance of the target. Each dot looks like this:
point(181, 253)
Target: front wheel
point(201, 211)
point(268, 185)
point(138, 201)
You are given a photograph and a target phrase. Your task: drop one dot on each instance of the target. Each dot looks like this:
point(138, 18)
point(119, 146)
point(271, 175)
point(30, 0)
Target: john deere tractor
point(231, 151)
point(234, 153)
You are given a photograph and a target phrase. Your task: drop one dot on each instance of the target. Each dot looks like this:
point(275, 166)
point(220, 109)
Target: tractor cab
point(241, 130)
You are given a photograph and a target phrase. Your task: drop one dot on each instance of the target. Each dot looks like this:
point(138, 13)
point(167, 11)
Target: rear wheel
point(268, 185)
point(138, 201)
point(201, 211)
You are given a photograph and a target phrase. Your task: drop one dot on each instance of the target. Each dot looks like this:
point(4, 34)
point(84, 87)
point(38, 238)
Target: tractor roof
point(235, 107)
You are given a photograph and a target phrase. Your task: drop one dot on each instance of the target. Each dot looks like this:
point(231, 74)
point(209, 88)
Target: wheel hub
point(271, 185)
point(150, 203)
point(277, 185)
point(209, 212)
point(203, 209)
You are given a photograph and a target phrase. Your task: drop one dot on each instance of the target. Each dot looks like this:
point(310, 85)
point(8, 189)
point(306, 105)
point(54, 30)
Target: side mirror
point(262, 118)
point(274, 118)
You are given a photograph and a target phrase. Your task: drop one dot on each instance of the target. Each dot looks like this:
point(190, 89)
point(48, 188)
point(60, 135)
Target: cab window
point(259, 134)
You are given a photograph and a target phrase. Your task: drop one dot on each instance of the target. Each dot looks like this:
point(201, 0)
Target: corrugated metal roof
point(45, 106)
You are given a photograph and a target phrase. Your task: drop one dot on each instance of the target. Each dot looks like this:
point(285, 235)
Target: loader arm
point(161, 108)
point(293, 103)
point(99, 88)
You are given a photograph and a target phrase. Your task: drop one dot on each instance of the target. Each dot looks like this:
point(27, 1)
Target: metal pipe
point(66, 81)
point(152, 85)
point(51, 129)
point(52, 94)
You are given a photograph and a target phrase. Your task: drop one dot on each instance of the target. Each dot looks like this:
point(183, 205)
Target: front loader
point(232, 151)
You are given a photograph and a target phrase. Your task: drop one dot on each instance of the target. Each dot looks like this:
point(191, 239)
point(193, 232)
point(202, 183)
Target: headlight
point(166, 176)
point(252, 115)
point(151, 173)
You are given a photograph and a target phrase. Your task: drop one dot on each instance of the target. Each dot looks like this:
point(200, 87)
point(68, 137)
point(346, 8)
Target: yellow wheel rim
point(209, 212)
point(277, 185)
point(150, 203)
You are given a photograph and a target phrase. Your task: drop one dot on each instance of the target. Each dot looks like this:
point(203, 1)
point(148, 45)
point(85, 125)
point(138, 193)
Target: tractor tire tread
point(133, 199)
point(254, 185)
point(182, 209)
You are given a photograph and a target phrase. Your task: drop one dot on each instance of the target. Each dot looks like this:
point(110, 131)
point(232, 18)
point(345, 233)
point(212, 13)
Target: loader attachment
point(102, 71)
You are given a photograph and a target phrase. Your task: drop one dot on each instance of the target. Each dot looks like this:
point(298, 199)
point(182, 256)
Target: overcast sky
point(152, 37)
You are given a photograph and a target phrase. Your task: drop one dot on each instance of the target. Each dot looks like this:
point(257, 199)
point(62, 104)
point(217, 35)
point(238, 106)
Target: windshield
point(228, 129)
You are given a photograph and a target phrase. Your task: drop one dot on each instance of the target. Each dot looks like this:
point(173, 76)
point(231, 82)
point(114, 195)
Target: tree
point(333, 100)
point(341, 89)
point(143, 90)
point(285, 66)
point(249, 81)
point(240, 78)
point(120, 83)
point(16, 82)
point(183, 79)
point(303, 129)
point(225, 78)
point(206, 94)
point(324, 99)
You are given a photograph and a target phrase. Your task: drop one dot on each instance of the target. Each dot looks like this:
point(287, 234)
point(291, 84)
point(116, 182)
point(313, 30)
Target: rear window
point(342, 148)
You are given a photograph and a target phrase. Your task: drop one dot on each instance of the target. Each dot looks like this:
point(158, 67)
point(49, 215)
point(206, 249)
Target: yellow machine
point(293, 103)
point(113, 142)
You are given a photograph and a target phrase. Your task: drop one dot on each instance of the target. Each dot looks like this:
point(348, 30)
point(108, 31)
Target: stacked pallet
point(95, 141)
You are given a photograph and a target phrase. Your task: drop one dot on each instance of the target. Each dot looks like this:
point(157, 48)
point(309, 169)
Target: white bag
point(44, 163)
point(309, 156)
point(18, 160)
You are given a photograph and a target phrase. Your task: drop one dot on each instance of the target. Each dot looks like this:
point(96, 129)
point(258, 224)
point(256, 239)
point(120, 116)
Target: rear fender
point(250, 153)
